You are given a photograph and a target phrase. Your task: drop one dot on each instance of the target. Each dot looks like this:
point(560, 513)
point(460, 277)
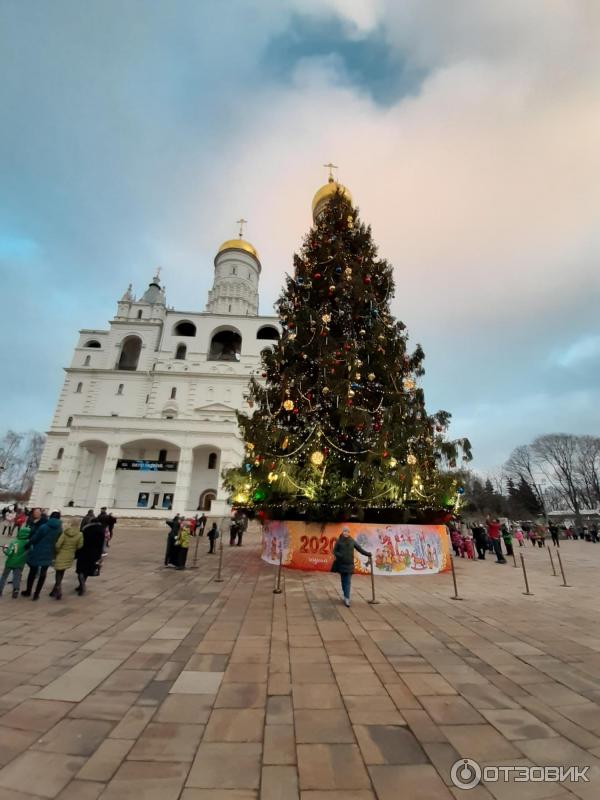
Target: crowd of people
point(182, 529)
point(489, 537)
point(41, 540)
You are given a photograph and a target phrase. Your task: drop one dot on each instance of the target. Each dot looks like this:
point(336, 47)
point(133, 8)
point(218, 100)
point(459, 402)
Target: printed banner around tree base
point(396, 549)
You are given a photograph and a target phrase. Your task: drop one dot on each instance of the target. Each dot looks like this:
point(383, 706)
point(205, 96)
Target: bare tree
point(558, 457)
point(31, 462)
point(10, 446)
point(20, 455)
point(523, 464)
point(588, 470)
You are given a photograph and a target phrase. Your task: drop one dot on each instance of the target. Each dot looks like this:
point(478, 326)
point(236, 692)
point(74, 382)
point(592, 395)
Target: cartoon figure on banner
point(276, 540)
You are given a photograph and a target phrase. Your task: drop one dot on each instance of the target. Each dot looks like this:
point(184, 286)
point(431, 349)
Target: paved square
point(166, 684)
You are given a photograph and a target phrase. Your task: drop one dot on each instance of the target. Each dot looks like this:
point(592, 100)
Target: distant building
point(145, 421)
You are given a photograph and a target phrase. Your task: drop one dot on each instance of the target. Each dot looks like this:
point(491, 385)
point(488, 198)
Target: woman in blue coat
point(40, 553)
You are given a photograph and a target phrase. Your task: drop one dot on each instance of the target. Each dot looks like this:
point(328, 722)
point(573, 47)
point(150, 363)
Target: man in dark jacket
point(343, 561)
point(171, 551)
point(90, 553)
point(40, 553)
point(480, 537)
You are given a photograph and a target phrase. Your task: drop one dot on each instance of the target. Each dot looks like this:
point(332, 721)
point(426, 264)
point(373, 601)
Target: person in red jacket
point(493, 531)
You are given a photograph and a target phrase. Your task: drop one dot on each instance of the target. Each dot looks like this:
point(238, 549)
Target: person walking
point(507, 539)
point(554, 534)
point(540, 536)
point(16, 555)
point(67, 544)
point(594, 532)
point(201, 524)
point(493, 531)
point(343, 561)
point(9, 523)
point(233, 531)
point(40, 554)
point(480, 539)
point(213, 535)
point(182, 542)
point(86, 520)
point(90, 553)
point(519, 536)
point(171, 553)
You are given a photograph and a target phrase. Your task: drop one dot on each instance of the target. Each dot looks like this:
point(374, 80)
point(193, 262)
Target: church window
point(268, 332)
point(147, 399)
point(60, 453)
point(212, 461)
point(173, 393)
point(86, 362)
point(229, 309)
point(120, 388)
point(225, 346)
point(139, 316)
point(79, 388)
point(234, 270)
point(69, 422)
point(162, 456)
point(184, 328)
point(181, 352)
point(92, 343)
point(131, 349)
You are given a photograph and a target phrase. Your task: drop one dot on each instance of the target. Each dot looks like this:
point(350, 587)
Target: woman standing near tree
point(343, 561)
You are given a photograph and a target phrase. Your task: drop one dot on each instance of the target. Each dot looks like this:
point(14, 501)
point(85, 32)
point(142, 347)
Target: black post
point(525, 575)
point(277, 589)
point(195, 561)
point(562, 569)
point(219, 579)
point(456, 597)
point(373, 601)
point(552, 562)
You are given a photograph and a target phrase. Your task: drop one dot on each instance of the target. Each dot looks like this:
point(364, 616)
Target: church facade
point(145, 421)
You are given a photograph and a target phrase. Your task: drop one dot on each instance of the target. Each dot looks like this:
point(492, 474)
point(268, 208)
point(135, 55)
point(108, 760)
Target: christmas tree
point(337, 427)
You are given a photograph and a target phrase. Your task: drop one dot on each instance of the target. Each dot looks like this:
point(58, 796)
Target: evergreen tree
point(528, 499)
point(339, 427)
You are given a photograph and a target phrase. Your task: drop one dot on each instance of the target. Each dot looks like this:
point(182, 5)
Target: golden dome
point(326, 192)
point(238, 244)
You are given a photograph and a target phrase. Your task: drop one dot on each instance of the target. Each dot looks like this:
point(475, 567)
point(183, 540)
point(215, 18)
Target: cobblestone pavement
point(164, 684)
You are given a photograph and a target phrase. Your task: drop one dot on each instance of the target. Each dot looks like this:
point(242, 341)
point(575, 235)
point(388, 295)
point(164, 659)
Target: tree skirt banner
point(396, 549)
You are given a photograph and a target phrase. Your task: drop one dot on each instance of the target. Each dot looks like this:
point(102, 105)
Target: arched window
point(69, 422)
point(181, 352)
point(184, 328)
point(79, 388)
point(59, 455)
point(173, 393)
point(234, 270)
point(225, 346)
point(92, 343)
point(130, 353)
point(268, 332)
point(86, 361)
point(212, 461)
point(120, 388)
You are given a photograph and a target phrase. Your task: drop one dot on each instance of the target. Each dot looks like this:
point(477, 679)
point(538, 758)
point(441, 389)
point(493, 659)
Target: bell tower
point(237, 271)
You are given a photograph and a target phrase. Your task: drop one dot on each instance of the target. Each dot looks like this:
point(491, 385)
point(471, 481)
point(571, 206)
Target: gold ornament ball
point(362, 331)
point(317, 458)
point(393, 463)
point(351, 392)
point(358, 376)
point(411, 459)
point(409, 384)
point(326, 318)
point(288, 405)
point(371, 376)
point(326, 390)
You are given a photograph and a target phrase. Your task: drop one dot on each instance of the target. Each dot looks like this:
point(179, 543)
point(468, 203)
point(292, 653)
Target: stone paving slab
point(163, 684)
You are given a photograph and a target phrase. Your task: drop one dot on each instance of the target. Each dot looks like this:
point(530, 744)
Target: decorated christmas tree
point(337, 427)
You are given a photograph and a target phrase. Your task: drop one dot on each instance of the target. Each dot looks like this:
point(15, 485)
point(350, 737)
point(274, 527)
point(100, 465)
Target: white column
point(67, 475)
point(184, 480)
point(106, 488)
point(229, 458)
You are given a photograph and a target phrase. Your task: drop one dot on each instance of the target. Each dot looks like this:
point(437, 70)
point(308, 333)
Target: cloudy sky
point(134, 133)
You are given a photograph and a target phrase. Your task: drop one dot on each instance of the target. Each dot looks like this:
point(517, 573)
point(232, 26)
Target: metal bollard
point(195, 560)
point(456, 597)
point(562, 570)
point(552, 562)
point(373, 601)
point(219, 579)
point(514, 558)
point(277, 589)
point(525, 575)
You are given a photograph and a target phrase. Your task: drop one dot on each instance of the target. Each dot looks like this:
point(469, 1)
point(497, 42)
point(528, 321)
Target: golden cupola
point(326, 192)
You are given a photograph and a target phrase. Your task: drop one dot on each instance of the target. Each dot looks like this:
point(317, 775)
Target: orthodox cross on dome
point(241, 222)
point(330, 167)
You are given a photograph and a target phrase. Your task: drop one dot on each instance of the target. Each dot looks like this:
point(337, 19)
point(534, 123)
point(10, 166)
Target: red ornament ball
point(367, 279)
point(295, 411)
point(317, 276)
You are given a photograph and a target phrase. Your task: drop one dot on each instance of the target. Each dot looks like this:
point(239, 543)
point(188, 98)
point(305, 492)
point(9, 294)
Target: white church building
point(145, 421)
